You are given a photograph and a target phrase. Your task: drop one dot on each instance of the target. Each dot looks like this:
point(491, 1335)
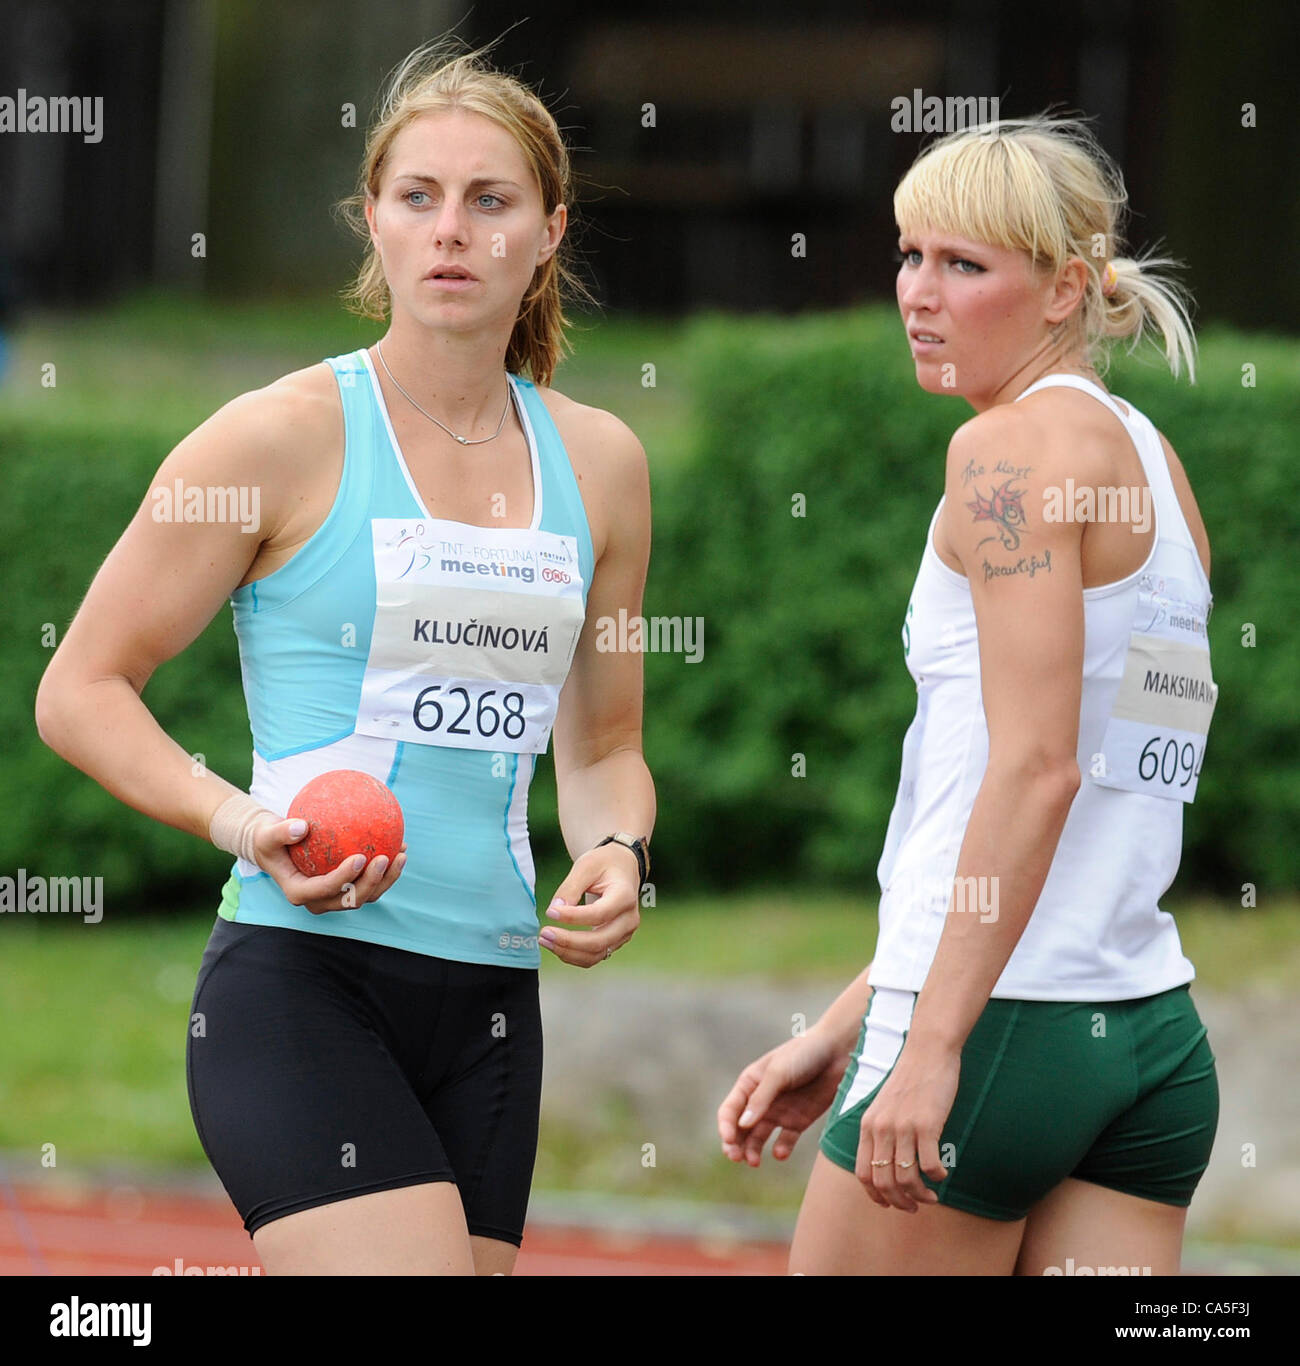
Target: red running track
point(127, 1231)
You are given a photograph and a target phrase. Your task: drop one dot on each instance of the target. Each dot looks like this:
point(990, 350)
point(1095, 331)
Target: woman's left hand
point(612, 874)
point(903, 1125)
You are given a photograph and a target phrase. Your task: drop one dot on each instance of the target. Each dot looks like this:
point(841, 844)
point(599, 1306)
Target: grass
point(96, 1016)
point(94, 1062)
point(796, 935)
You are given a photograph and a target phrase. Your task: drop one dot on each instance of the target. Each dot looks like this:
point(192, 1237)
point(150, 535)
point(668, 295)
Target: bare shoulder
point(610, 466)
point(291, 419)
point(980, 436)
point(314, 386)
point(601, 443)
point(285, 438)
point(1002, 467)
point(1005, 453)
point(608, 459)
point(1055, 432)
point(1088, 442)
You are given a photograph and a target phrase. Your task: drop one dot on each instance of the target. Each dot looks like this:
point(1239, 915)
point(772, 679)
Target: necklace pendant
point(464, 440)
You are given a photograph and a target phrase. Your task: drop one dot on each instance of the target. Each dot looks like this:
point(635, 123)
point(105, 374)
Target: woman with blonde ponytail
point(441, 536)
point(1019, 1082)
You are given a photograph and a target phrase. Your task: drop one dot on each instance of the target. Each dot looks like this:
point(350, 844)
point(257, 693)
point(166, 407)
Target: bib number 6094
point(428, 712)
point(1166, 763)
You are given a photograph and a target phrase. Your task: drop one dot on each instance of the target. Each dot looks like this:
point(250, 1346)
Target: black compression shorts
point(321, 1068)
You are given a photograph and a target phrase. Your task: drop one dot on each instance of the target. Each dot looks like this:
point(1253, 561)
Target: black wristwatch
point(637, 846)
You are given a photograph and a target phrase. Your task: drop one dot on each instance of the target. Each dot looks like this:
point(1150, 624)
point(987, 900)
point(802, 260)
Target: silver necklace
point(464, 440)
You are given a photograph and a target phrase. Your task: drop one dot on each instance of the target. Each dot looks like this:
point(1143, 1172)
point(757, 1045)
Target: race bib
point(1155, 737)
point(475, 629)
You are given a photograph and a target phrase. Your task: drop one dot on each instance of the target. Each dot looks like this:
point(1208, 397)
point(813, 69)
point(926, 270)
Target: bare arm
point(842, 1019)
point(159, 587)
point(1027, 589)
point(602, 780)
point(1026, 583)
point(600, 771)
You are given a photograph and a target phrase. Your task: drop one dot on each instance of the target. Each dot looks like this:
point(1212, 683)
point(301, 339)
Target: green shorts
point(1120, 1093)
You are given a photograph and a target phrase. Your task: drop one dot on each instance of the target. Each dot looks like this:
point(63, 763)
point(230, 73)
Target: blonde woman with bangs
point(440, 534)
point(1019, 1083)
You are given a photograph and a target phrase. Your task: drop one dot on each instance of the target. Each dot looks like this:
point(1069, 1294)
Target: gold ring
point(885, 1163)
point(904, 1164)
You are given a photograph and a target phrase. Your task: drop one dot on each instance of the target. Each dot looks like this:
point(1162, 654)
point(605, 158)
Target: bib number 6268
point(430, 714)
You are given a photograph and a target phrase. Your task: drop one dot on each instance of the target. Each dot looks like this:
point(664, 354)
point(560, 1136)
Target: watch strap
point(637, 845)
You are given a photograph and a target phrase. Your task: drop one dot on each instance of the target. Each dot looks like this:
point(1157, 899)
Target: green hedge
point(802, 654)
point(72, 487)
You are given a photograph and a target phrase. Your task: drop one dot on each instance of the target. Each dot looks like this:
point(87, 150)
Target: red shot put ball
point(347, 812)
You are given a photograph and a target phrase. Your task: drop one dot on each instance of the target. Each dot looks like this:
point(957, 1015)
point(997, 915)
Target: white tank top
point(1097, 932)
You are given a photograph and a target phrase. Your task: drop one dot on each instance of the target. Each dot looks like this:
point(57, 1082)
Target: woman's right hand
point(785, 1089)
point(344, 889)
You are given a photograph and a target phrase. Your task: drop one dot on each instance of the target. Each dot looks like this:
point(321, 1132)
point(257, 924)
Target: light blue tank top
point(454, 735)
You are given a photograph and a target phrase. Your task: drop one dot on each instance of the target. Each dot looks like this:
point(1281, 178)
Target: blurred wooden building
point(737, 156)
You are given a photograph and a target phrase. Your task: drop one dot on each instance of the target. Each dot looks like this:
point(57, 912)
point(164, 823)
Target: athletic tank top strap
point(558, 497)
point(330, 541)
point(1074, 382)
point(357, 483)
point(1171, 524)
